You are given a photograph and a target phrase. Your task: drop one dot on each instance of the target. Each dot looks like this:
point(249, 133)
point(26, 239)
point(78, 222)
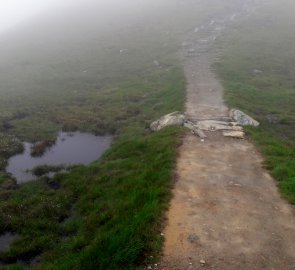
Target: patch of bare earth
point(226, 212)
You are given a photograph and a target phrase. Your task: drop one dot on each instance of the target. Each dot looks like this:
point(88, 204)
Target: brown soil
point(226, 208)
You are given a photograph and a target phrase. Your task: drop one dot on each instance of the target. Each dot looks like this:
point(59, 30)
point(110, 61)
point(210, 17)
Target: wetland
point(70, 148)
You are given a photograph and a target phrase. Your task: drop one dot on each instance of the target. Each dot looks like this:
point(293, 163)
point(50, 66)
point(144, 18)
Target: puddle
point(6, 240)
point(70, 148)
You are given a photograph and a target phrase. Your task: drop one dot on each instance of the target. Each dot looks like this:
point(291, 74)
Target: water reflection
point(6, 240)
point(70, 148)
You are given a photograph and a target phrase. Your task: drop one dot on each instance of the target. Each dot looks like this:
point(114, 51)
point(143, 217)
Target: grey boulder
point(171, 119)
point(243, 119)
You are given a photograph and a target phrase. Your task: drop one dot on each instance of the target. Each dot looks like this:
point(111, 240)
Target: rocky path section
point(226, 212)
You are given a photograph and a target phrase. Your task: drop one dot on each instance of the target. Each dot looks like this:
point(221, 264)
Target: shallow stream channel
point(70, 148)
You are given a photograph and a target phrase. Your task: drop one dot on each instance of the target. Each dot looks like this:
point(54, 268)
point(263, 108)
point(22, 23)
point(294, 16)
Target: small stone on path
point(202, 262)
point(234, 134)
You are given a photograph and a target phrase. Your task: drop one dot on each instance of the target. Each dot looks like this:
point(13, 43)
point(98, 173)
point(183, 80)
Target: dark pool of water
point(6, 240)
point(70, 149)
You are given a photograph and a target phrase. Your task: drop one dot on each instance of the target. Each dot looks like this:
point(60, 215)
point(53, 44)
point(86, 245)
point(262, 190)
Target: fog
point(54, 46)
point(56, 40)
point(14, 12)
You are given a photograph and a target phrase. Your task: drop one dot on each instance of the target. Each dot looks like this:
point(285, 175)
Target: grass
point(114, 206)
point(45, 169)
point(9, 145)
point(264, 43)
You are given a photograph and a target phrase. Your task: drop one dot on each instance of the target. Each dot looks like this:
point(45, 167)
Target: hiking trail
point(226, 211)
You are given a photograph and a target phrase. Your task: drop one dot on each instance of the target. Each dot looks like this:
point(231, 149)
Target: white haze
point(13, 12)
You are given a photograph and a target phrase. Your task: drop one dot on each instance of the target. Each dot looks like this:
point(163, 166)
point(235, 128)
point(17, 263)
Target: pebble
point(202, 262)
point(237, 185)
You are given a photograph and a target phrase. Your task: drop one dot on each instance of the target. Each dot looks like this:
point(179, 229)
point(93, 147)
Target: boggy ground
point(226, 212)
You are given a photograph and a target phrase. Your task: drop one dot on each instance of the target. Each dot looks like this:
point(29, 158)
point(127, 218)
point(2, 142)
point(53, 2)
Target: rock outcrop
point(171, 119)
point(242, 119)
point(230, 127)
point(213, 125)
point(194, 129)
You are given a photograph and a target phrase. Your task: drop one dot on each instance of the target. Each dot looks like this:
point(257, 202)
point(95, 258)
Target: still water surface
point(69, 149)
point(6, 240)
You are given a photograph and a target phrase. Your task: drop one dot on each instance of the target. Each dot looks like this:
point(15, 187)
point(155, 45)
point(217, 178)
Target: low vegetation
point(115, 205)
point(258, 71)
point(39, 149)
point(107, 215)
point(9, 145)
point(46, 169)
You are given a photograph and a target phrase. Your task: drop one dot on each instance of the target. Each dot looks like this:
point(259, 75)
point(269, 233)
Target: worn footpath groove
point(226, 212)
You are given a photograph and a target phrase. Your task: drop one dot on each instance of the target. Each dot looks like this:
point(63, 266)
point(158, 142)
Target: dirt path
point(226, 208)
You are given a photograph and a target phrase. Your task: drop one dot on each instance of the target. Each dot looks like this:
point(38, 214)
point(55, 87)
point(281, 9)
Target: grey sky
point(13, 12)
